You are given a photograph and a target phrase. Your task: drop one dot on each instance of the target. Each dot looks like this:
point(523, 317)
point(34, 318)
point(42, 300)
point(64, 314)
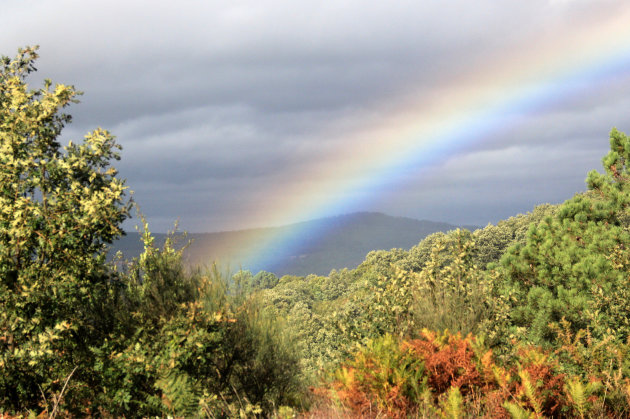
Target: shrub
point(453, 293)
point(202, 352)
point(82, 337)
point(59, 207)
point(446, 375)
point(382, 378)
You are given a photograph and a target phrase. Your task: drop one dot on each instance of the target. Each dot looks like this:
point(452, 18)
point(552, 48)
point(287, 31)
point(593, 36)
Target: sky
point(256, 113)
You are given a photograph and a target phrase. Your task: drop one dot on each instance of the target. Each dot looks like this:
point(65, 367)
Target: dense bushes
point(58, 208)
point(84, 337)
point(555, 310)
point(446, 375)
point(552, 315)
point(194, 348)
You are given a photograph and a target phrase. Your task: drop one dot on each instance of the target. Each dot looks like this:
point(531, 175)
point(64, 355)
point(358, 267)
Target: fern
point(530, 392)
point(517, 412)
point(578, 394)
point(453, 405)
point(178, 394)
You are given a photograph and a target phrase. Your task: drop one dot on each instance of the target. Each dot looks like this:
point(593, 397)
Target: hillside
point(528, 318)
point(345, 242)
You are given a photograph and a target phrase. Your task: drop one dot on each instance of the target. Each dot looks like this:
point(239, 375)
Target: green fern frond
point(178, 394)
point(517, 412)
point(578, 393)
point(453, 405)
point(530, 392)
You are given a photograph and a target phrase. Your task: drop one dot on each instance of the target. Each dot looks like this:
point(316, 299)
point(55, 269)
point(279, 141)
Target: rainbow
point(425, 130)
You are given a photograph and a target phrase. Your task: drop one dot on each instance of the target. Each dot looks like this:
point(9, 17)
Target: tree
point(264, 280)
point(574, 264)
point(493, 240)
point(59, 208)
point(146, 337)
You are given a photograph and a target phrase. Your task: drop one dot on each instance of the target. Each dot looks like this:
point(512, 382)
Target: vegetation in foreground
point(528, 318)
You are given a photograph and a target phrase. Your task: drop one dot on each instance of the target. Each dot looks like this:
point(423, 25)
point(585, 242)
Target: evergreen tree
point(574, 264)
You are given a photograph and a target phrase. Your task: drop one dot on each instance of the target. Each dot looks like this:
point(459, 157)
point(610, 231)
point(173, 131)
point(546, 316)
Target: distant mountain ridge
point(341, 242)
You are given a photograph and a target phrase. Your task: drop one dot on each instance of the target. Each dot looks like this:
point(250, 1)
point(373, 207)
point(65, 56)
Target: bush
point(82, 337)
point(59, 207)
point(382, 378)
point(446, 375)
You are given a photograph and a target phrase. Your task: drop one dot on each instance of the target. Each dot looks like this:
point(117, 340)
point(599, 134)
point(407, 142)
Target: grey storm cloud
point(215, 101)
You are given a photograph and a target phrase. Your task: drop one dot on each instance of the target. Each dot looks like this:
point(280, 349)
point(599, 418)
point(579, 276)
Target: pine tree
point(574, 263)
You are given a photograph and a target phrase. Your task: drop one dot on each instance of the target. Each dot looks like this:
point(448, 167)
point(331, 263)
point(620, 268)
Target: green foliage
point(306, 305)
point(418, 255)
point(243, 283)
point(81, 337)
point(493, 240)
point(380, 263)
point(518, 412)
point(205, 352)
point(604, 362)
point(449, 292)
point(579, 394)
point(452, 407)
point(391, 307)
point(59, 207)
point(574, 264)
point(382, 377)
point(264, 280)
point(452, 292)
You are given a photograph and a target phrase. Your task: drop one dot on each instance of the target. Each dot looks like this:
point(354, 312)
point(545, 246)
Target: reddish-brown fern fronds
point(449, 361)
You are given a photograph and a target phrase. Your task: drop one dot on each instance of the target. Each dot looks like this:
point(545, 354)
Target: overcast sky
point(237, 114)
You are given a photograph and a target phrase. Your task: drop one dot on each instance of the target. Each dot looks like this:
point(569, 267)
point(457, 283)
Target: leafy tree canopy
point(59, 207)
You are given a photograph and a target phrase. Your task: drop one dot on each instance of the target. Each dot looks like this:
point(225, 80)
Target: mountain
point(336, 243)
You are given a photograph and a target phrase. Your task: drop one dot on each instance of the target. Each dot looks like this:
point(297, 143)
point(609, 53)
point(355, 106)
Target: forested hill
point(344, 244)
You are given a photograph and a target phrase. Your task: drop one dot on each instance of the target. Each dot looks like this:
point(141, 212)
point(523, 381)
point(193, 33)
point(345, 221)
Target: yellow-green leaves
point(54, 201)
point(58, 208)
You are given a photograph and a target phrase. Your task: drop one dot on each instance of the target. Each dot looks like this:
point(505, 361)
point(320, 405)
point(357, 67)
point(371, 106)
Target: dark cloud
point(218, 103)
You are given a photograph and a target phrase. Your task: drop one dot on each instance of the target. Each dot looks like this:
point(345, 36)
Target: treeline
point(345, 241)
point(396, 291)
point(528, 318)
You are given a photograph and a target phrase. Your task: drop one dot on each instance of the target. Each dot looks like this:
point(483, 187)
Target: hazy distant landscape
point(347, 239)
